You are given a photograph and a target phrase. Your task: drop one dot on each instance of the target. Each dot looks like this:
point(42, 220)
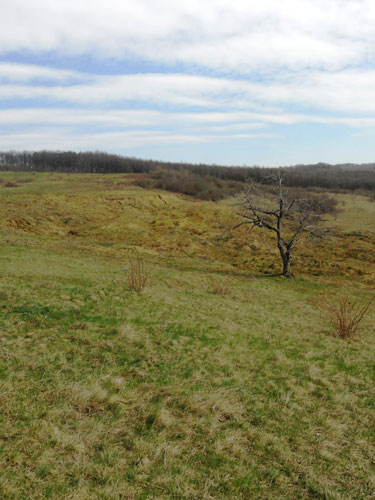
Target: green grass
point(178, 392)
point(357, 213)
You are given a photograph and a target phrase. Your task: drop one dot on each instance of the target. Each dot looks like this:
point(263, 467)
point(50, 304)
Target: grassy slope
point(176, 393)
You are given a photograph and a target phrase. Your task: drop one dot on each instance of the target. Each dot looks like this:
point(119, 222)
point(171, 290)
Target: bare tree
point(288, 213)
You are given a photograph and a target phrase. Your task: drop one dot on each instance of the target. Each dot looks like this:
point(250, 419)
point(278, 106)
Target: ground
point(220, 381)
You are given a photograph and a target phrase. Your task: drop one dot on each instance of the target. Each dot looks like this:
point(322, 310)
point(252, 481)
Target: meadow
point(221, 380)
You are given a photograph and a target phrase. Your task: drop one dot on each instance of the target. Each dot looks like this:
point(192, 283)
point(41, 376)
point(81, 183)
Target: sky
point(235, 82)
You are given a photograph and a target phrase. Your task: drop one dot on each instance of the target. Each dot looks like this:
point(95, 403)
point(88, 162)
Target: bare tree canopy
point(289, 213)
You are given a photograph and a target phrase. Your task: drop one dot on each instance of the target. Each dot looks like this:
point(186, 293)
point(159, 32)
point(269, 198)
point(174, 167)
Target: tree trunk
point(286, 266)
point(286, 258)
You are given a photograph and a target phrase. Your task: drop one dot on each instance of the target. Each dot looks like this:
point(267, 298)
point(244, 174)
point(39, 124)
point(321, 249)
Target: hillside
point(107, 215)
point(220, 381)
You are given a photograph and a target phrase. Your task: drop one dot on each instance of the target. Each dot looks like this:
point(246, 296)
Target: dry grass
point(222, 285)
point(89, 213)
point(176, 392)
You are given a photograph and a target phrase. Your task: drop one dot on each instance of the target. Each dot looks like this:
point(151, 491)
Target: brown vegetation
point(186, 182)
point(138, 272)
point(222, 285)
point(345, 315)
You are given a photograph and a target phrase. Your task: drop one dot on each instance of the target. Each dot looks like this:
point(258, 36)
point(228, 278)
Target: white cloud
point(14, 72)
point(240, 35)
point(225, 68)
point(129, 118)
point(349, 91)
point(142, 127)
point(124, 141)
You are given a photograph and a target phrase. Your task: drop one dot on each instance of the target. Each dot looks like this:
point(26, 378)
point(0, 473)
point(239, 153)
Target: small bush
point(344, 315)
point(138, 272)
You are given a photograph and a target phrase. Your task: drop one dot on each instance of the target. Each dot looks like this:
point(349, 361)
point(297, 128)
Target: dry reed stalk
point(344, 315)
point(138, 272)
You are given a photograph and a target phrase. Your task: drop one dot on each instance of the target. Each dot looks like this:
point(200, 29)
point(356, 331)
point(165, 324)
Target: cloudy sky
point(265, 82)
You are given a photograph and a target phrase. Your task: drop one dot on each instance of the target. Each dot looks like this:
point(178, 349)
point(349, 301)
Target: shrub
point(344, 315)
point(202, 187)
point(138, 272)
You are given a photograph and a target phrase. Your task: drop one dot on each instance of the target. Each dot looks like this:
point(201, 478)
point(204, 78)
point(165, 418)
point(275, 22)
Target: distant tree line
point(72, 162)
point(207, 180)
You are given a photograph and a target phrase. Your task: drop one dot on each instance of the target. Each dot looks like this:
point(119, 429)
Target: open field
point(201, 387)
